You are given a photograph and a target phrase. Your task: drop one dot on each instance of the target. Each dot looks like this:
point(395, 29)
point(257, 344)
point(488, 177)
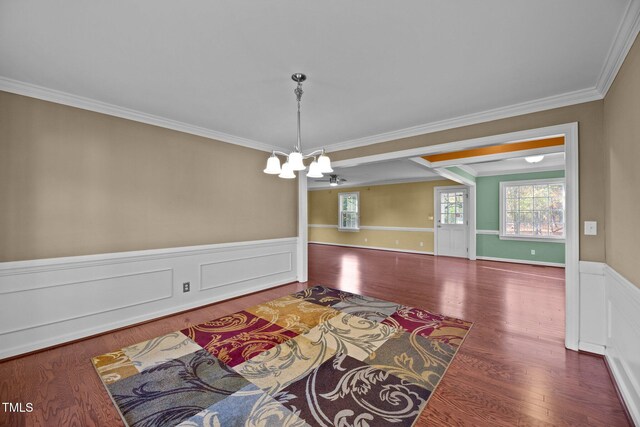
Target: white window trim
point(340, 228)
point(503, 227)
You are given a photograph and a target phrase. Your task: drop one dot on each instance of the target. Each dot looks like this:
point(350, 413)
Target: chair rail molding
point(379, 228)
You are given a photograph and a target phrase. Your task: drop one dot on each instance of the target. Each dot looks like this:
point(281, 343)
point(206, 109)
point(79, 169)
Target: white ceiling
point(407, 170)
point(374, 67)
point(552, 161)
point(392, 171)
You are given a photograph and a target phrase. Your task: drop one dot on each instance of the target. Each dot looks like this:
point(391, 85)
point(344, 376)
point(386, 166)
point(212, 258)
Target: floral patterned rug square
point(319, 357)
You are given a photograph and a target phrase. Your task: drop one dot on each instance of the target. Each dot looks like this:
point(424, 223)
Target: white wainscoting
point(593, 319)
point(52, 301)
point(623, 337)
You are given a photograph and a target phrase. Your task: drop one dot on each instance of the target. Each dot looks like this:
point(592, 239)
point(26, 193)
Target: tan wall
point(407, 240)
point(394, 205)
point(75, 182)
point(622, 137)
point(589, 117)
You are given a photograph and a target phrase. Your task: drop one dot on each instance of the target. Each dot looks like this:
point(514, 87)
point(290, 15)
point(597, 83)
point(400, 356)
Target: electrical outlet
point(397, 242)
point(366, 240)
point(421, 244)
point(186, 286)
point(533, 251)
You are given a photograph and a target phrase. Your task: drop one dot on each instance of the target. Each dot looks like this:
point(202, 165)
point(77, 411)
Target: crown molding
point(548, 103)
point(624, 39)
point(52, 95)
point(625, 36)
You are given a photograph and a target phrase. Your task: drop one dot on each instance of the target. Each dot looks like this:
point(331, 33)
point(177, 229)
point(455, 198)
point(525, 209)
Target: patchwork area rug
point(319, 357)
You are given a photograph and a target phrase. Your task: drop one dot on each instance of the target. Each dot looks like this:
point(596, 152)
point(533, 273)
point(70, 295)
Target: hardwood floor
point(512, 370)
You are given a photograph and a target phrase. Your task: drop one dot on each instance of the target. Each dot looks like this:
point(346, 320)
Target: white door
point(452, 226)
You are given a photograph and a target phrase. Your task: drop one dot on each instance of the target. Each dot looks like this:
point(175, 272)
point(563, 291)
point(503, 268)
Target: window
point(348, 216)
point(452, 207)
point(532, 209)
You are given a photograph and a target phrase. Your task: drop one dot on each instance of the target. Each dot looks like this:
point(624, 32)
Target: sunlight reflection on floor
point(350, 273)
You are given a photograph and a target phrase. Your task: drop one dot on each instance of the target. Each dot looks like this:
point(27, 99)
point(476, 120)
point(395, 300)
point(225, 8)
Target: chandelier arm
point(280, 153)
point(313, 154)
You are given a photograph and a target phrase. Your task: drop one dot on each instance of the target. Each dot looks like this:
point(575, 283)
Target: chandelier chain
point(298, 91)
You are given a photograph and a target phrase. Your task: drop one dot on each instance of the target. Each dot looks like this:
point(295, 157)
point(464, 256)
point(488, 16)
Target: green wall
point(488, 218)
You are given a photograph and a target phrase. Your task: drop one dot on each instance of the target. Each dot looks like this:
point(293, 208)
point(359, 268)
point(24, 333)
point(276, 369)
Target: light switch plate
point(590, 228)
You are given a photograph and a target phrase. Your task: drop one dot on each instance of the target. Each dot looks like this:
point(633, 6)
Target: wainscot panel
point(593, 319)
point(623, 337)
point(52, 301)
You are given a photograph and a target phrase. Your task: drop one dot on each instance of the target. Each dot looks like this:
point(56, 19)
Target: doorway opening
point(569, 135)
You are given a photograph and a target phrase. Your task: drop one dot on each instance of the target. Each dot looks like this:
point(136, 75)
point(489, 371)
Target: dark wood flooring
point(512, 369)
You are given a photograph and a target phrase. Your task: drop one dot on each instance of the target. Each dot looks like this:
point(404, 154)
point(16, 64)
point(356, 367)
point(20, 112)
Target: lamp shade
point(295, 160)
point(314, 170)
point(287, 172)
point(325, 164)
point(273, 165)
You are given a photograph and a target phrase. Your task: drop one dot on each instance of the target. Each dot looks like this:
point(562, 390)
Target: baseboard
point(520, 261)
point(625, 391)
point(625, 408)
point(378, 248)
point(591, 348)
point(622, 351)
point(44, 303)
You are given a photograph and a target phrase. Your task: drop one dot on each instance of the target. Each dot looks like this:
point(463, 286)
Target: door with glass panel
point(452, 226)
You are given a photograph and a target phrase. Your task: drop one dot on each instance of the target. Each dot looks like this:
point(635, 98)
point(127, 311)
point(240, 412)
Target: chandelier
point(295, 159)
